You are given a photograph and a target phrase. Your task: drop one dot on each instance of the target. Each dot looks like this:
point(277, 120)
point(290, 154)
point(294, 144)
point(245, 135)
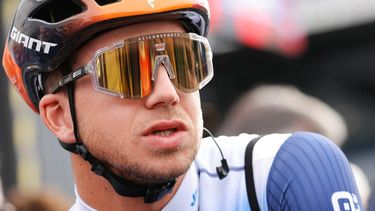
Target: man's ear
point(55, 113)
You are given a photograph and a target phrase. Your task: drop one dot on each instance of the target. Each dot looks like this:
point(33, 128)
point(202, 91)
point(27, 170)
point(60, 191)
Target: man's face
point(147, 140)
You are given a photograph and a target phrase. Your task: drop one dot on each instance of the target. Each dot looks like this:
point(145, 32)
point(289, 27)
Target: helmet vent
point(105, 2)
point(56, 11)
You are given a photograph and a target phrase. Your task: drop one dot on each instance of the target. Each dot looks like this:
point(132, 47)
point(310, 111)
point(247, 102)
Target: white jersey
point(201, 188)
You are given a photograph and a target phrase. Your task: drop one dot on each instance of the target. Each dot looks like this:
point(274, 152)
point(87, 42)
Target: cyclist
point(117, 82)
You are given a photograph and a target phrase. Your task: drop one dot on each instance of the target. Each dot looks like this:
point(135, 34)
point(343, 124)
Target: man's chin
point(154, 177)
point(158, 167)
point(157, 170)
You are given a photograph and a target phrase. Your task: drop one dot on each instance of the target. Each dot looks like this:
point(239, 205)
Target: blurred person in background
point(285, 109)
point(282, 108)
point(47, 199)
point(118, 83)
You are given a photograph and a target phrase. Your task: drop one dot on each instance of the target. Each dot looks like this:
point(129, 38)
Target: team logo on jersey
point(194, 198)
point(345, 201)
point(31, 43)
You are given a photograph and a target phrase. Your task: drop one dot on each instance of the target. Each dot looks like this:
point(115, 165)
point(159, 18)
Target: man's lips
point(165, 135)
point(164, 127)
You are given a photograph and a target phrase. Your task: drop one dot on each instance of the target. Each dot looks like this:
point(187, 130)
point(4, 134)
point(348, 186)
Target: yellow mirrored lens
point(107, 66)
point(145, 68)
point(127, 70)
point(189, 64)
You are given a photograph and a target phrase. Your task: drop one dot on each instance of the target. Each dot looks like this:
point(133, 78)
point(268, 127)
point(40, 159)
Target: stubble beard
point(162, 167)
point(147, 173)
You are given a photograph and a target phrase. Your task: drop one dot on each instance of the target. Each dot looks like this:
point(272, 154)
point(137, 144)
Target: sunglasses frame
point(90, 68)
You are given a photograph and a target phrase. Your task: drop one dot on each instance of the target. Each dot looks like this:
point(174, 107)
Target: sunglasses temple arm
point(75, 75)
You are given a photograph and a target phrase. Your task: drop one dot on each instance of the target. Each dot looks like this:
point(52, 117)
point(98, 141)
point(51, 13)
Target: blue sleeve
point(311, 173)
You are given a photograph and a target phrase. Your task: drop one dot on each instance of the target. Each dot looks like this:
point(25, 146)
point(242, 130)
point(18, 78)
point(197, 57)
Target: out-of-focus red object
point(267, 25)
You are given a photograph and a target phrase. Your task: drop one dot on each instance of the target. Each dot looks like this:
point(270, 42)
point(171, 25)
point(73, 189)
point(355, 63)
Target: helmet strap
point(122, 186)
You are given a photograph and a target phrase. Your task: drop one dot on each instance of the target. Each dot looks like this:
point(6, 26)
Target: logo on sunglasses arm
point(31, 43)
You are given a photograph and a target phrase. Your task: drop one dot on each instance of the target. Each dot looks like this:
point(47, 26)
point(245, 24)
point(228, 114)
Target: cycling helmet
point(45, 32)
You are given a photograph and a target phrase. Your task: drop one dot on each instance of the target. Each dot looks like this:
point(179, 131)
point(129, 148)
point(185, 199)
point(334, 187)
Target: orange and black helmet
point(44, 33)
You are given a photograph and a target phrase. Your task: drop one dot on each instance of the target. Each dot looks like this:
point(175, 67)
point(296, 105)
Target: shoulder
point(233, 149)
point(307, 149)
point(230, 193)
point(310, 140)
point(311, 154)
point(310, 172)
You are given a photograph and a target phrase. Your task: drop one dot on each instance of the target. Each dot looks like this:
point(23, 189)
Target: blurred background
point(326, 49)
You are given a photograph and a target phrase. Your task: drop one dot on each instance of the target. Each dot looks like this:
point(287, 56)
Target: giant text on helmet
point(31, 43)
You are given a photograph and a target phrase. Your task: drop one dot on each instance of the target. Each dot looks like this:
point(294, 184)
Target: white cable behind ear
point(223, 170)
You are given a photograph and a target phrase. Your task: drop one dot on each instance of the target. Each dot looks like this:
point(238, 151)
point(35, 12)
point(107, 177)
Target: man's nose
point(163, 91)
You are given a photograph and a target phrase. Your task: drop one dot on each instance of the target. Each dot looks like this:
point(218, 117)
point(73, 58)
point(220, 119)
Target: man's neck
point(97, 193)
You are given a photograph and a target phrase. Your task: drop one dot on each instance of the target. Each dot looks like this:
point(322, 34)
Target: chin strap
point(122, 186)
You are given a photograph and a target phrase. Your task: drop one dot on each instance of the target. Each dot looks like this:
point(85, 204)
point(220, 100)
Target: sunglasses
point(129, 68)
